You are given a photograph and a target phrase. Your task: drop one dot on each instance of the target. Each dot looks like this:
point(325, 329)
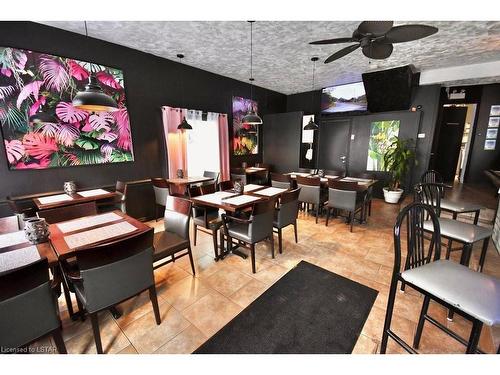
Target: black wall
point(150, 83)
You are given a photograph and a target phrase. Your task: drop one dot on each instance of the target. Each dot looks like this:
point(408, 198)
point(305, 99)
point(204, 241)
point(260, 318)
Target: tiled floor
point(194, 308)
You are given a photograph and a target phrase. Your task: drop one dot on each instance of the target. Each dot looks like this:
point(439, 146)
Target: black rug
point(309, 310)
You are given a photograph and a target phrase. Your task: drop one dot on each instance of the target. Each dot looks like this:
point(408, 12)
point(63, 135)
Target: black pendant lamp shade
point(251, 117)
point(312, 125)
point(184, 125)
point(93, 98)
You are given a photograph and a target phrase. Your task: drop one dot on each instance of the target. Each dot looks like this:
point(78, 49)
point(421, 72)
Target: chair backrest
point(262, 217)
point(342, 195)
point(245, 164)
point(177, 216)
point(22, 210)
point(365, 175)
point(121, 199)
point(112, 272)
point(310, 189)
point(334, 173)
point(28, 308)
point(56, 215)
point(281, 180)
point(162, 189)
point(262, 165)
point(431, 176)
point(429, 193)
point(208, 189)
point(239, 174)
point(419, 249)
point(214, 175)
point(121, 187)
point(288, 208)
point(194, 191)
point(226, 185)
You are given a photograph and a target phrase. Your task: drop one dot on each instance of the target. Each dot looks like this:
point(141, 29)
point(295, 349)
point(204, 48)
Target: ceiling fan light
point(94, 99)
point(251, 118)
point(311, 125)
point(184, 125)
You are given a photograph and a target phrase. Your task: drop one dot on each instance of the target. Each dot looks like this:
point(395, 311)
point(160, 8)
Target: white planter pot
point(392, 196)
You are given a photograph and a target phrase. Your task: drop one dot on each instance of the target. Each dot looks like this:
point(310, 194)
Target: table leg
point(115, 312)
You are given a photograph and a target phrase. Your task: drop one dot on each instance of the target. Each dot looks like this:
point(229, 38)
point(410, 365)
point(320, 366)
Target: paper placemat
point(55, 198)
point(18, 258)
point(215, 198)
point(86, 222)
point(13, 238)
point(93, 192)
point(295, 174)
point(240, 199)
point(98, 234)
point(331, 176)
point(251, 187)
point(270, 191)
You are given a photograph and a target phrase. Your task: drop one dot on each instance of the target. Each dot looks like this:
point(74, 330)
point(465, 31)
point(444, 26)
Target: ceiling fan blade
point(407, 33)
point(333, 41)
point(375, 27)
point(342, 53)
point(377, 51)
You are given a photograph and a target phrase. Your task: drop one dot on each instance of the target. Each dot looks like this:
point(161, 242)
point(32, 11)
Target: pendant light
point(251, 117)
point(184, 125)
point(93, 98)
point(41, 117)
point(312, 125)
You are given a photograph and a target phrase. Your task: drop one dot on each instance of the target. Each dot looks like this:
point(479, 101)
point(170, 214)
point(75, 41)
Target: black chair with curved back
point(281, 181)
point(333, 173)
point(175, 236)
point(286, 214)
point(22, 209)
point(471, 294)
point(262, 177)
point(111, 273)
point(205, 217)
point(56, 215)
point(343, 196)
point(213, 175)
point(311, 193)
point(119, 202)
point(226, 185)
point(162, 190)
point(369, 191)
point(28, 307)
point(257, 228)
point(239, 174)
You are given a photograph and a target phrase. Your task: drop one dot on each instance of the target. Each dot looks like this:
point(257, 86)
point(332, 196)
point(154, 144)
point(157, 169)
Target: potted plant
point(397, 160)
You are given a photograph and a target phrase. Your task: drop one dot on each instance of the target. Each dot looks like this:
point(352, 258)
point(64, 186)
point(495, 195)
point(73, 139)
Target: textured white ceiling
point(282, 53)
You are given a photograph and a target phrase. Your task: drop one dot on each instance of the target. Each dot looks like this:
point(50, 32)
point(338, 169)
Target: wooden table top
point(226, 206)
point(251, 170)
point(188, 180)
point(44, 249)
point(64, 251)
point(76, 198)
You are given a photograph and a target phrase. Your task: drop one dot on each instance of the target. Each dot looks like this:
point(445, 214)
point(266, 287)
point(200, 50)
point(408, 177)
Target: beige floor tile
point(134, 308)
point(211, 313)
point(365, 345)
point(185, 342)
point(128, 350)
point(271, 274)
point(227, 280)
point(185, 292)
point(248, 293)
point(169, 274)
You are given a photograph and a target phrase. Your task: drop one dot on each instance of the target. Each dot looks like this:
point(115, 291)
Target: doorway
point(454, 141)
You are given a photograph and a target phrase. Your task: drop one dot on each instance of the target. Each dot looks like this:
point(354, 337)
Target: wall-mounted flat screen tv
point(343, 98)
point(32, 82)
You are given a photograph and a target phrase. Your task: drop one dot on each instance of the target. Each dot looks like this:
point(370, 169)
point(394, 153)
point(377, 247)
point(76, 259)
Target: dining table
point(63, 199)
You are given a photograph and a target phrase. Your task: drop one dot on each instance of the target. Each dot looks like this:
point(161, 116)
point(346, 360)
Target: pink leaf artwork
point(42, 164)
point(67, 134)
point(19, 58)
point(36, 105)
point(54, 74)
point(48, 129)
point(15, 150)
point(107, 136)
point(31, 88)
point(77, 71)
point(6, 72)
point(108, 80)
point(101, 120)
point(39, 146)
point(123, 125)
point(69, 114)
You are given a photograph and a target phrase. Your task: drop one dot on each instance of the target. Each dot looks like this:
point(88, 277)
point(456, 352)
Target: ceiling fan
point(376, 38)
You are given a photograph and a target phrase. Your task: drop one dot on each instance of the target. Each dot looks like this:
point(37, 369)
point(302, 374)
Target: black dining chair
point(239, 174)
point(173, 242)
point(281, 181)
point(22, 209)
point(262, 177)
point(471, 294)
point(226, 185)
point(312, 193)
point(258, 227)
point(285, 214)
point(205, 217)
point(119, 202)
point(369, 191)
point(214, 175)
point(28, 307)
point(162, 190)
point(331, 172)
point(111, 273)
point(343, 196)
point(64, 213)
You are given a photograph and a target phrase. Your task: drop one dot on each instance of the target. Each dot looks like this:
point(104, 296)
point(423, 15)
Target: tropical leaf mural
point(382, 135)
point(245, 136)
point(30, 81)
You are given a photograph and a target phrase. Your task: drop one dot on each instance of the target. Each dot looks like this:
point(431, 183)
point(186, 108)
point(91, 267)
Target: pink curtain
point(224, 147)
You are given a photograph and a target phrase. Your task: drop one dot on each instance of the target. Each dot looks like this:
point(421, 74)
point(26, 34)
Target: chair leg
point(448, 248)
point(190, 254)
point(328, 211)
point(317, 212)
point(388, 315)
point(474, 337)
point(295, 231)
point(351, 217)
point(154, 302)
point(483, 254)
point(280, 239)
point(97, 334)
point(466, 254)
point(421, 321)
point(67, 298)
point(195, 234)
point(58, 340)
point(370, 207)
point(214, 238)
point(272, 245)
point(252, 255)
